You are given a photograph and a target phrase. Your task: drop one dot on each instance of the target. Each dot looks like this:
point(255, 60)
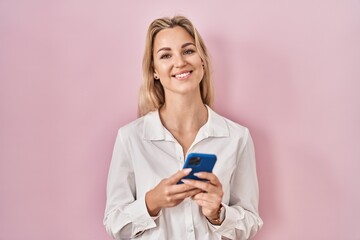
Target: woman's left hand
point(211, 197)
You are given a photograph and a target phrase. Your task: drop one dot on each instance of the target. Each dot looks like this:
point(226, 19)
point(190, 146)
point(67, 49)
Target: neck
point(184, 114)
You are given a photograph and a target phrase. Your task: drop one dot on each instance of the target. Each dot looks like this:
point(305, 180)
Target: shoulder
point(235, 129)
point(132, 128)
point(139, 128)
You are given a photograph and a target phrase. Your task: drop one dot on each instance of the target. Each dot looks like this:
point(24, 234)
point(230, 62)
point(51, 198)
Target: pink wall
point(69, 77)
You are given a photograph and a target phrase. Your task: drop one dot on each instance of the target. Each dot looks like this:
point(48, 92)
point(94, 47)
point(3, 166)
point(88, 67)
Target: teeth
point(182, 75)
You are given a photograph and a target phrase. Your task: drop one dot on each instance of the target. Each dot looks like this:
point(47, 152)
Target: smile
point(182, 75)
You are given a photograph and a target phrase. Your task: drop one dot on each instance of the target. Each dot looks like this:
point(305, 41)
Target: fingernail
point(185, 181)
point(187, 170)
point(197, 174)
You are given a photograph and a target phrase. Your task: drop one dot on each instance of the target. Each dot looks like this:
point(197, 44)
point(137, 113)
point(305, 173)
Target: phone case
point(199, 162)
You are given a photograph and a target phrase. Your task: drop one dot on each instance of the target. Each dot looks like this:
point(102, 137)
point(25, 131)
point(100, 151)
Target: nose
point(179, 61)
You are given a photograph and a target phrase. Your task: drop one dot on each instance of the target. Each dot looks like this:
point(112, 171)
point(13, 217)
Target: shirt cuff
point(227, 227)
point(140, 217)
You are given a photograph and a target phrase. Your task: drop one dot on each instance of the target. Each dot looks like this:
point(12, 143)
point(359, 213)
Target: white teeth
point(182, 75)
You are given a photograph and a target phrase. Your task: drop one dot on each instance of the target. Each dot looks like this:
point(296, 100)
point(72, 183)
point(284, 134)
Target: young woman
point(144, 200)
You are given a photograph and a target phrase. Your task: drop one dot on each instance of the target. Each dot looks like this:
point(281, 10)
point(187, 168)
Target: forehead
point(172, 38)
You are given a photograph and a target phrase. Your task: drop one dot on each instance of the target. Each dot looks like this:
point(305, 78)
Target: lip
point(182, 72)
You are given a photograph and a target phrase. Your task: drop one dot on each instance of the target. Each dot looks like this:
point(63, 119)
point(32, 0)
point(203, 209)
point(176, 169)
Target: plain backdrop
point(69, 78)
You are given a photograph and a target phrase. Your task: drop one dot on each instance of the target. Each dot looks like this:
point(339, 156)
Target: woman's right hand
point(168, 193)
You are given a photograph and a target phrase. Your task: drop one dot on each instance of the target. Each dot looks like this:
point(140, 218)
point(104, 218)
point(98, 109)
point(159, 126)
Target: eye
point(188, 51)
point(165, 56)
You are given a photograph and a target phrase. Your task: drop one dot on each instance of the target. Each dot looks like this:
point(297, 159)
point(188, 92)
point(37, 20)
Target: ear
point(155, 74)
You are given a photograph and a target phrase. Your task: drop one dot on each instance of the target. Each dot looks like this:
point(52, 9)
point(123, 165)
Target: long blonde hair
point(152, 95)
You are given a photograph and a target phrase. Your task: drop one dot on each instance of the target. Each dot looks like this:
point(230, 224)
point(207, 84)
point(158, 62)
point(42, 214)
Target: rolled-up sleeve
point(125, 215)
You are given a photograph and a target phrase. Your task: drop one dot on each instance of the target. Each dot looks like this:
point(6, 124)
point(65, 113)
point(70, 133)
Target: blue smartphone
point(199, 162)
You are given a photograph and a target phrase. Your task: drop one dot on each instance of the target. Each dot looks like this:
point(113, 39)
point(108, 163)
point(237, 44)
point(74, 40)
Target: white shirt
point(145, 152)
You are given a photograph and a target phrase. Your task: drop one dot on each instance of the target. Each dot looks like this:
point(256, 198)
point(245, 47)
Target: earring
point(156, 77)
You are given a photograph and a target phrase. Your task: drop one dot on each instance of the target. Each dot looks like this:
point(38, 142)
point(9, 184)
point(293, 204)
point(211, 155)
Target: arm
point(125, 216)
point(242, 219)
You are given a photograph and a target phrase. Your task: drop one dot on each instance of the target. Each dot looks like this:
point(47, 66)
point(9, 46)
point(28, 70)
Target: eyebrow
point(183, 46)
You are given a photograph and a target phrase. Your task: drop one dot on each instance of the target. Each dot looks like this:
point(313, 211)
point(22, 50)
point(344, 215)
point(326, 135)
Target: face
point(177, 63)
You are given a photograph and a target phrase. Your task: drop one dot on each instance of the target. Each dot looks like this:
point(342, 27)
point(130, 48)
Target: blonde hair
point(152, 95)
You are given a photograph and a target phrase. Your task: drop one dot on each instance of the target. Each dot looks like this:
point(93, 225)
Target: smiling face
point(177, 63)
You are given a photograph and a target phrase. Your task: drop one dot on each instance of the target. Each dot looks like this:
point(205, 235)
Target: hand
point(168, 193)
point(211, 196)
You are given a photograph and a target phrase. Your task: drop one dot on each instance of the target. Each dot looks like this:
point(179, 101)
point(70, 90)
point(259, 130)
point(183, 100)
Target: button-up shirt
point(145, 152)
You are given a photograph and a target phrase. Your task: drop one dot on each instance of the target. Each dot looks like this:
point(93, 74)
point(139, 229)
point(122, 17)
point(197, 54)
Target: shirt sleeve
point(125, 215)
point(242, 219)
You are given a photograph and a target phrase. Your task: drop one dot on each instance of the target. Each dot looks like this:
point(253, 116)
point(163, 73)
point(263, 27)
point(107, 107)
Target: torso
point(184, 134)
point(185, 139)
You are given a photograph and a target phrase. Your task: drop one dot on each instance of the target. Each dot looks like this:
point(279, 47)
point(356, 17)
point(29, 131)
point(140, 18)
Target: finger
point(208, 176)
point(208, 197)
point(194, 192)
point(179, 188)
point(186, 194)
point(175, 178)
point(204, 204)
point(205, 186)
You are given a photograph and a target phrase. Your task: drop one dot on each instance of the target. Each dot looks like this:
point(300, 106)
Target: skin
point(183, 114)
point(175, 52)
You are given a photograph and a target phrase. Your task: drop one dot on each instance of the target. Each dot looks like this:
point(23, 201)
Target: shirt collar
point(216, 125)
point(154, 130)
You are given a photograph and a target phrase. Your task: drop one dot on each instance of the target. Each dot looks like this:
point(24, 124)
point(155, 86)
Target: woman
point(144, 200)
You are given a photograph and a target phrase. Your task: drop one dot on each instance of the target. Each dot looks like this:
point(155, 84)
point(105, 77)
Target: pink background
point(69, 78)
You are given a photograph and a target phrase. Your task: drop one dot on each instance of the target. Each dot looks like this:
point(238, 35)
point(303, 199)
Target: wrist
point(151, 206)
point(219, 218)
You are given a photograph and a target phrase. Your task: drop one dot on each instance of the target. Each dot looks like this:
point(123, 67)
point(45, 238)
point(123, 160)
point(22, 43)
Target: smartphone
point(199, 162)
